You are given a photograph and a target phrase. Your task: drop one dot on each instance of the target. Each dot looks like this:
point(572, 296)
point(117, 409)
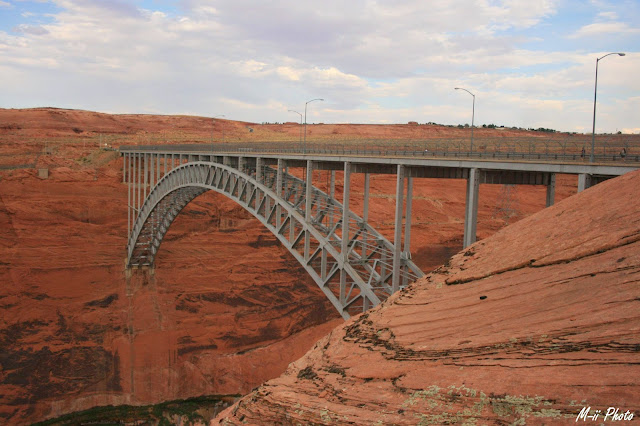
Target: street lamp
point(595, 92)
point(473, 112)
point(300, 114)
point(213, 123)
point(304, 149)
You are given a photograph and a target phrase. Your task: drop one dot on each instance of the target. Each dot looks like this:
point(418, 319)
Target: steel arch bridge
point(349, 260)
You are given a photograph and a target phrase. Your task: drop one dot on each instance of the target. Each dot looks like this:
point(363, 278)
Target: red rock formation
point(226, 309)
point(529, 325)
point(221, 314)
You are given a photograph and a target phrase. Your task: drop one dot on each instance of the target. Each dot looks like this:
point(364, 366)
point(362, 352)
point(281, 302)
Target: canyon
point(225, 308)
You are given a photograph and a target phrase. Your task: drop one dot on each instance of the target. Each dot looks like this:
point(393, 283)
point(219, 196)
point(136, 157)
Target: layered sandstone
point(226, 307)
point(530, 325)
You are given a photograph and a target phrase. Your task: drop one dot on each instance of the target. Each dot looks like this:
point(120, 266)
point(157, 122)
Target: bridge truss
point(353, 264)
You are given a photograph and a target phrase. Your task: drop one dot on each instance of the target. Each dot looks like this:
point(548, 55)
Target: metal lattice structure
point(352, 264)
point(507, 206)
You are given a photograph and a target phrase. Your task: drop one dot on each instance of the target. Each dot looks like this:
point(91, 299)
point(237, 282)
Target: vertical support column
point(241, 164)
point(383, 264)
point(551, 190)
point(332, 184)
point(397, 236)
point(323, 265)
point(146, 175)
point(151, 172)
point(157, 168)
point(279, 191)
point(165, 164)
point(128, 175)
point(124, 168)
point(323, 253)
point(345, 230)
point(407, 224)
point(584, 181)
point(259, 169)
point(365, 208)
point(332, 196)
point(366, 303)
point(139, 182)
point(471, 208)
point(226, 160)
point(151, 185)
point(407, 227)
point(259, 180)
point(132, 180)
point(267, 202)
point(365, 213)
point(132, 202)
point(307, 207)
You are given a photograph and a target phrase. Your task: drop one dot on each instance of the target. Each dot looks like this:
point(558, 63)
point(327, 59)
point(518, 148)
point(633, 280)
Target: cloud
point(106, 9)
point(604, 28)
point(373, 61)
point(30, 29)
point(608, 15)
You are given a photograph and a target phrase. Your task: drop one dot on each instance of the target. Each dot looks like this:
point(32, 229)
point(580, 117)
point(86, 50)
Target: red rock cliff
point(226, 309)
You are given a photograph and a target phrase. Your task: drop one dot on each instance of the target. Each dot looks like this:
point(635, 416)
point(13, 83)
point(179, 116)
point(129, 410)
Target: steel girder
point(316, 244)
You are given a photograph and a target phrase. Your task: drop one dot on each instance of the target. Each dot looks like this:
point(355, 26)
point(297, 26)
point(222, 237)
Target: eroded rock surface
point(227, 307)
point(529, 325)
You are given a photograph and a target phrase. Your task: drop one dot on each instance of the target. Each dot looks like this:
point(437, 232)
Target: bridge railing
point(569, 149)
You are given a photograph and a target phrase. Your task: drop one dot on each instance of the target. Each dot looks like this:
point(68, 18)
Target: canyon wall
point(225, 308)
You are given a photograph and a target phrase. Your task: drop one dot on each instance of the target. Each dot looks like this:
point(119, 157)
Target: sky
point(529, 63)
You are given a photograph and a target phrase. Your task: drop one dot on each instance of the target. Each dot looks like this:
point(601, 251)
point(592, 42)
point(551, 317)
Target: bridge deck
point(322, 233)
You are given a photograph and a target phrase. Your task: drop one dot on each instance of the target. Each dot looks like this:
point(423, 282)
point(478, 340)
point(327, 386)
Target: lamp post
point(473, 113)
point(300, 114)
point(213, 122)
point(595, 92)
point(304, 149)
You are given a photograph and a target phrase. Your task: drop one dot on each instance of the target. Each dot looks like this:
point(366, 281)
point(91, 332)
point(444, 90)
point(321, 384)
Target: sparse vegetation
point(189, 411)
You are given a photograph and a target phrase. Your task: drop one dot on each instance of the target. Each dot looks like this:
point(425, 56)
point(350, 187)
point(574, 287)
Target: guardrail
point(501, 150)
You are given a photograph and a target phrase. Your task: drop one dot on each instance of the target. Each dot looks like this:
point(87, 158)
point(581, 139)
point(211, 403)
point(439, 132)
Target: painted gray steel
point(352, 263)
point(349, 271)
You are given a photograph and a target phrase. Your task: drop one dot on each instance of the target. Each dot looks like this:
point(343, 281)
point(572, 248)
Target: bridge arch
point(352, 281)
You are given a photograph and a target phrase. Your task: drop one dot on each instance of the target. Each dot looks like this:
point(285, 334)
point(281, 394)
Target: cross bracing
point(354, 275)
point(352, 263)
